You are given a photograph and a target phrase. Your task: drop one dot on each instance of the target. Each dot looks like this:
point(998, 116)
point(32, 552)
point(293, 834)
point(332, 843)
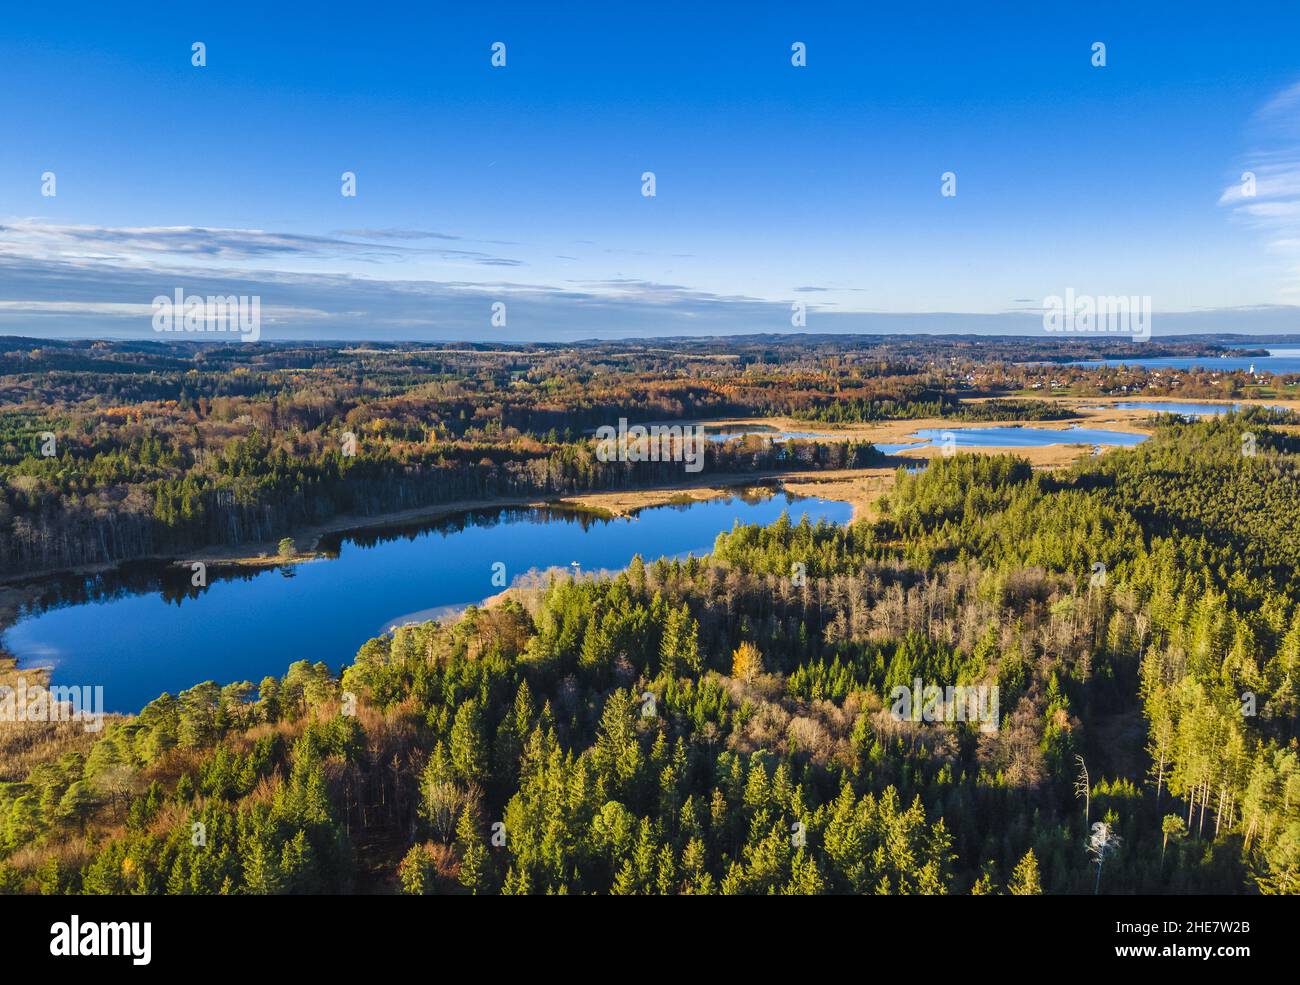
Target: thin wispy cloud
point(64, 293)
point(416, 234)
point(96, 297)
point(653, 292)
point(1267, 195)
point(397, 234)
point(35, 238)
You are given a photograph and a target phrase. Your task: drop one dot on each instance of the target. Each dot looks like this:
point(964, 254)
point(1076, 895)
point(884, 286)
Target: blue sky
point(774, 184)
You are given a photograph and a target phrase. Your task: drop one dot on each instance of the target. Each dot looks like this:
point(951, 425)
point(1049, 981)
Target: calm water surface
point(1186, 409)
point(146, 631)
point(1027, 437)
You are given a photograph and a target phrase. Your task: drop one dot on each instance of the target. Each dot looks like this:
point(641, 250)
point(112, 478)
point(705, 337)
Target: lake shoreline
point(147, 632)
point(19, 591)
point(860, 488)
point(608, 504)
point(625, 502)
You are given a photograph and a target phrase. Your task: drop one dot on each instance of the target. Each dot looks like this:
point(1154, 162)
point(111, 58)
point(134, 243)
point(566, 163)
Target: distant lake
point(1187, 409)
point(1277, 361)
point(144, 630)
point(1022, 437)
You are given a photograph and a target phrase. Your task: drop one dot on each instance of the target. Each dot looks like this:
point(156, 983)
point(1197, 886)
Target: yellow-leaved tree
point(746, 662)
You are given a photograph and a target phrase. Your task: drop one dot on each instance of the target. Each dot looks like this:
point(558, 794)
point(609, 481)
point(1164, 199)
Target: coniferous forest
point(726, 724)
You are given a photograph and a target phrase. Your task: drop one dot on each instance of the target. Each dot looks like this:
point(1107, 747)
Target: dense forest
point(111, 451)
point(725, 724)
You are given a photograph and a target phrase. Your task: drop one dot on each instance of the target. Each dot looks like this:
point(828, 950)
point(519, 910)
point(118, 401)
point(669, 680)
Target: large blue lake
point(145, 630)
point(1277, 361)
